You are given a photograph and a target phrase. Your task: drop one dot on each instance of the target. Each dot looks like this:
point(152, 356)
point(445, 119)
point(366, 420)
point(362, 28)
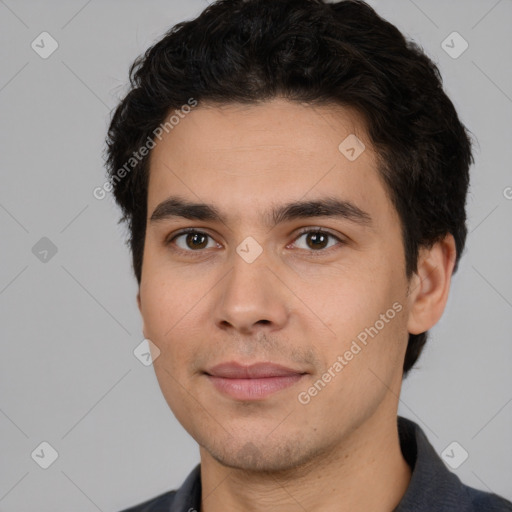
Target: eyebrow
point(324, 207)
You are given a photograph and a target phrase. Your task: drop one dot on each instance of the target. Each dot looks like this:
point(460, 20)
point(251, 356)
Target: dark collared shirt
point(432, 487)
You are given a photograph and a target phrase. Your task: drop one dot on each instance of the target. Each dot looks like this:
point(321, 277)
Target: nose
point(251, 298)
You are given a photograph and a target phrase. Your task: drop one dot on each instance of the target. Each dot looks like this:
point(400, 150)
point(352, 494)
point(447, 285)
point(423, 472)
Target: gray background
point(69, 324)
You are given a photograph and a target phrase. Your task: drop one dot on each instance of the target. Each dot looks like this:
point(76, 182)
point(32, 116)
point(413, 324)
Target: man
point(294, 180)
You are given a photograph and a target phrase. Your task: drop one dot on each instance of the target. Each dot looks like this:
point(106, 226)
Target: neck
point(367, 472)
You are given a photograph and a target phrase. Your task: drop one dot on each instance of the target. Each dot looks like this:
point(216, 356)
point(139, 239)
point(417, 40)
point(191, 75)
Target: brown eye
point(193, 241)
point(196, 240)
point(316, 240)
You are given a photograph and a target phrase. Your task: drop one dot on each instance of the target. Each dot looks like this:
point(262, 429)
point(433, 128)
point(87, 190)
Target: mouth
point(252, 382)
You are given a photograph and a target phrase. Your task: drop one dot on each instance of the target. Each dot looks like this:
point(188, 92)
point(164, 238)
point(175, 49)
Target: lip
point(234, 370)
point(252, 382)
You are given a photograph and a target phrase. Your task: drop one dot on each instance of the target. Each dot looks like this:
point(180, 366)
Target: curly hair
point(308, 51)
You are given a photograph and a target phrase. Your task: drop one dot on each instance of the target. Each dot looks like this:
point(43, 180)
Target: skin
point(298, 304)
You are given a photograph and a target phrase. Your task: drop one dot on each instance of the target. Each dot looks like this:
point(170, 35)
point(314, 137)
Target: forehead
point(243, 157)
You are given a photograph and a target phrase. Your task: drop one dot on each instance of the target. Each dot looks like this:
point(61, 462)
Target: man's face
point(250, 287)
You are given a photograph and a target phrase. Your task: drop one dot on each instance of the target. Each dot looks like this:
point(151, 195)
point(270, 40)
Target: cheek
point(171, 329)
point(166, 296)
point(349, 298)
point(157, 302)
point(365, 311)
point(361, 365)
point(164, 313)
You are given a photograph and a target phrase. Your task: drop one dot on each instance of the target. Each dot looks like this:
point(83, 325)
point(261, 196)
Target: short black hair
point(318, 53)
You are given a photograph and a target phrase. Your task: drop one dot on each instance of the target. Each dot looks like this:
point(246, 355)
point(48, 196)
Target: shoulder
point(432, 485)
point(187, 497)
point(487, 502)
point(160, 503)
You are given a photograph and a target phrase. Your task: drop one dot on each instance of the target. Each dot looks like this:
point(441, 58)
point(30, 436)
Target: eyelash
point(302, 232)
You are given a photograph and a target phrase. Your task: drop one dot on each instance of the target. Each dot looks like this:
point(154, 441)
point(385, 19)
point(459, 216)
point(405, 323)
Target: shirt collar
point(432, 487)
point(188, 496)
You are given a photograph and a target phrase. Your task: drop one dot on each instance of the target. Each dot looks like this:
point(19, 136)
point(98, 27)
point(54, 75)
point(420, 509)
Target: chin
point(262, 456)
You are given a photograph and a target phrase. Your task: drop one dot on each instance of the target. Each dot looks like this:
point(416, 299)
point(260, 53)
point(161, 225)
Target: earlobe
point(431, 284)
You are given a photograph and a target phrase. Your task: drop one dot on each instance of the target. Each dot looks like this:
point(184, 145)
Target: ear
point(139, 304)
point(429, 287)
